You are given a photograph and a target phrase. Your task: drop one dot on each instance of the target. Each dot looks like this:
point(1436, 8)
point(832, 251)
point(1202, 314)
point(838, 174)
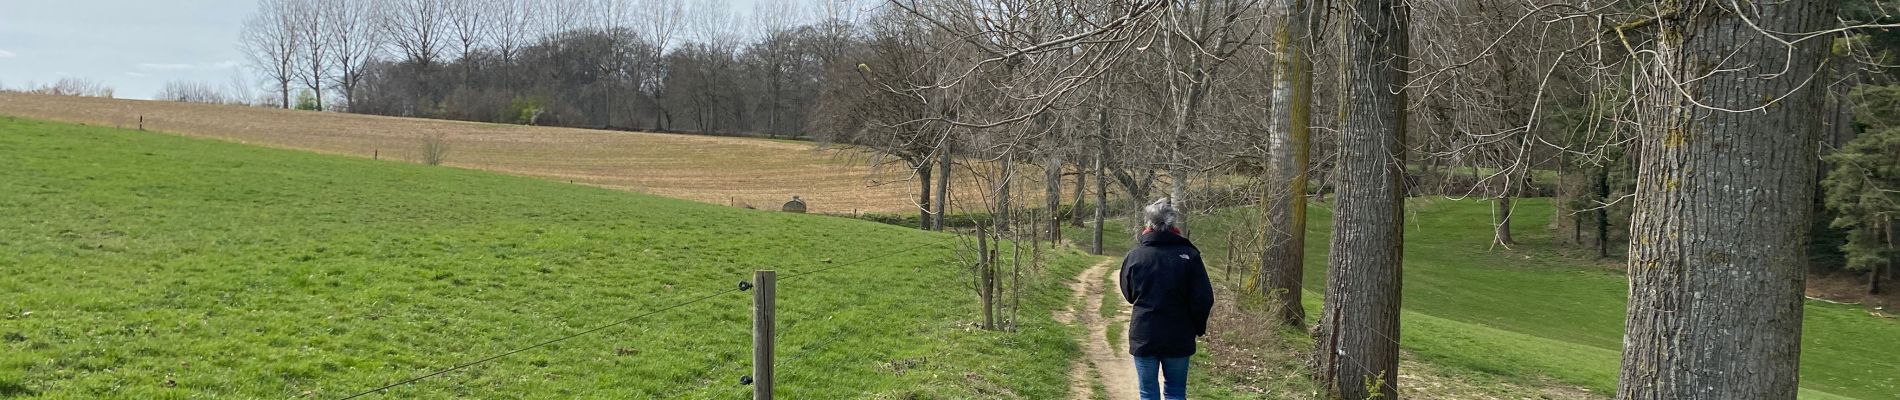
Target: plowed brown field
point(720, 170)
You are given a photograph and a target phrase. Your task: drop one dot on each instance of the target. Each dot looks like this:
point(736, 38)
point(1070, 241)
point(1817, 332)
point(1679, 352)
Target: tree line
point(1692, 129)
point(663, 65)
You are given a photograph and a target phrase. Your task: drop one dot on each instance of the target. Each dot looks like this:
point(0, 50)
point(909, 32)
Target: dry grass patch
point(720, 170)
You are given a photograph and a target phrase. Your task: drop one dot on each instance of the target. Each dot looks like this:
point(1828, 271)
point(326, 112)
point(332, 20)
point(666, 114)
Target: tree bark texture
point(1358, 349)
point(1719, 237)
point(1282, 262)
point(1893, 257)
point(924, 212)
point(1101, 183)
point(1052, 178)
point(1002, 212)
point(1603, 211)
point(1502, 231)
point(1081, 194)
point(943, 187)
point(985, 291)
point(1016, 276)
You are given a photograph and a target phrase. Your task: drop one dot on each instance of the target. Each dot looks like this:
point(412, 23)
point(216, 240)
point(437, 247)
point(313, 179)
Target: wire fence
point(743, 285)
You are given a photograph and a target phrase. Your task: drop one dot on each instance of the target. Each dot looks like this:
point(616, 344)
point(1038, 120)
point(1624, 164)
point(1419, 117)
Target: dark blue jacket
point(1164, 279)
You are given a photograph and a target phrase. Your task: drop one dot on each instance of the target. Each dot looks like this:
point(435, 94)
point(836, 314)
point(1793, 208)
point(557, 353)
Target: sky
point(134, 46)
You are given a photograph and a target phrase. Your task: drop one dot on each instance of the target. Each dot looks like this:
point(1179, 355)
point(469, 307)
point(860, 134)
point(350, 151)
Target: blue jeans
point(1175, 369)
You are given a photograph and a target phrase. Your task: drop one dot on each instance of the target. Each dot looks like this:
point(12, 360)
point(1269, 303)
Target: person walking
point(1165, 281)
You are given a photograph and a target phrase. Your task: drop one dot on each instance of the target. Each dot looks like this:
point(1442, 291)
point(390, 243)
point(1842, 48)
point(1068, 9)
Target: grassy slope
point(1533, 312)
point(711, 169)
point(148, 261)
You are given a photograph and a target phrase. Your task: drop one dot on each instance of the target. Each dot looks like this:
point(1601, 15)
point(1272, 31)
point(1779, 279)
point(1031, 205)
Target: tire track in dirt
point(1100, 362)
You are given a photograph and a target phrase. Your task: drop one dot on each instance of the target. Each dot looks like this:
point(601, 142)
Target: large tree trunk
point(1283, 261)
point(1719, 237)
point(943, 187)
point(1502, 233)
point(1358, 349)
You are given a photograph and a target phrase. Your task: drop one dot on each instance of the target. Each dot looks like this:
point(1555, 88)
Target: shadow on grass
point(15, 389)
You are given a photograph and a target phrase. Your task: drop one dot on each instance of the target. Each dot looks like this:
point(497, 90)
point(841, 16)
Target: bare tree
point(70, 86)
point(944, 176)
point(1489, 113)
point(270, 42)
point(771, 17)
point(712, 23)
point(1052, 149)
point(1198, 39)
point(418, 29)
point(559, 16)
point(469, 22)
point(314, 55)
point(354, 39)
point(193, 92)
point(512, 26)
point(659, 22)
point(775, 54)
point(856, 111)
point(435, 148)
point(1101, 173)
point(239, 87)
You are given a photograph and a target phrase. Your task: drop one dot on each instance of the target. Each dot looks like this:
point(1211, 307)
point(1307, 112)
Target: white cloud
point(165, 67)
point(226, 64)
point(7, 54)
point(135, 75)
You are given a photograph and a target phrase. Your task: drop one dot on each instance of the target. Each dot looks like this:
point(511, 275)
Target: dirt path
point(1101, 362)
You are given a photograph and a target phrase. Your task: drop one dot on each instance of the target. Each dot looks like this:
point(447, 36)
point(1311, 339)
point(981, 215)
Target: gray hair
point(1161, 215)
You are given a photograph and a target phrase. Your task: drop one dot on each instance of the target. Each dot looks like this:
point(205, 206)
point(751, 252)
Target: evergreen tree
point(1863, 190)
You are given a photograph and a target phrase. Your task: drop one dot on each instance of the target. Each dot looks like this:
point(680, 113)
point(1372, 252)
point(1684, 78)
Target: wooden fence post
point(764, 318)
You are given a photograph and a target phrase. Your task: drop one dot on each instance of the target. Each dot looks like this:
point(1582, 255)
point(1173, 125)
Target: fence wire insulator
point(744, 286)
point(745, 380)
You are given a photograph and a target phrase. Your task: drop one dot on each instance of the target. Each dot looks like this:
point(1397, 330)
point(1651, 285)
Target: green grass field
point(148, 266)
point(1535, 312)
